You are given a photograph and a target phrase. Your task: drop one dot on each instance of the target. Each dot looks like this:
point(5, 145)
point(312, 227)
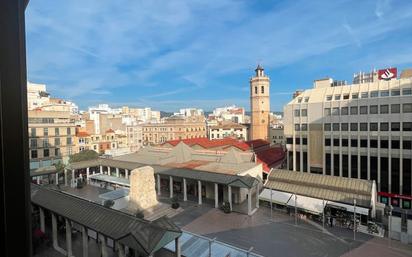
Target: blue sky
point(175, 54)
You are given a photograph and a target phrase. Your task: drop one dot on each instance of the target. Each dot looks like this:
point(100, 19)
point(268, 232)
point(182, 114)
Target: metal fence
point(200, 246)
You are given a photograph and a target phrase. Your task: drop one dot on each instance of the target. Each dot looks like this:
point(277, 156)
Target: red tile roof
point(110, 130)
point(257, 143)
point(82, 134)
point(270, 157)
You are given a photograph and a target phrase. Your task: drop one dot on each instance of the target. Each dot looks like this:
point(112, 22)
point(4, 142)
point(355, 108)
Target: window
point(327, 111)
point(373, 126)
point(326, 126)
point(373, 109)
point(354, 127)
point(395, 108)
point(395, 144)
point(345, 96)
point(364, 143)
point(304, 127)
point(33, 143)
point(335, 126)
point(56, 131)
point(363, 126)
point(337, 97)
point(46, 153)
point(304, 112)
point(297, 127)
point(395, 126)
point(57, 141)
point(344, 126)
point(344, 111)
point(45, 142)
point(384, 126)
point(297, 140)
point(289, 140)
point(33, 154)
point(327, 141)
point(69, 132)
point(373, 143)
point(336, 142)
point(306, 99)
point(384, 144)
point(395, 92)
point(407, 144)
point(299, 99)
point(407, 108)
point(407, 126)
point(46, 131)
point(328, 98)
point(345, 142)
point(33, 132)
point(69, 141)
point(354, 143)
point(57, 152)
point(353, 110)
point(297, 113)
point(256, 91)
point(364, 95)
point(407, 91)
point(384, 109)
point(384, 93)
point(355, 96)
point(374, 94)
point(304, 141)
point(262, 89)
point(363, 110)
point(335, 111)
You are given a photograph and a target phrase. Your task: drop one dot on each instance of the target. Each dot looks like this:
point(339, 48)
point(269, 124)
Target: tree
point(83, 156)
point(59, 167)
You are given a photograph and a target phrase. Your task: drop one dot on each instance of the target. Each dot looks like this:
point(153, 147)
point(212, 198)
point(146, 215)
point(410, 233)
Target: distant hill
point(165, 114)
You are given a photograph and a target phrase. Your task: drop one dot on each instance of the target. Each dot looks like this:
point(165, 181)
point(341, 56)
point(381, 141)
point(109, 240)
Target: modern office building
point(357, 131)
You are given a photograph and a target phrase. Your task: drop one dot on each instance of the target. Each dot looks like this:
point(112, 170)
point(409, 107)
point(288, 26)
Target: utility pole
point(354, 219)
point(323, 214)
point(271, 205)
point(296, 210)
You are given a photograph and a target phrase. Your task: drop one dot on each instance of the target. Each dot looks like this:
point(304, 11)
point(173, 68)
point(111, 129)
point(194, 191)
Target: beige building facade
point(174, 127)
point(50, 137)
point(259, 104)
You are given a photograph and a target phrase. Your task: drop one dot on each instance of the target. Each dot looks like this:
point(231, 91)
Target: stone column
point(158, 185)
point(229, 194)
point(65, 177)
point(103, 247)
point(120, 250)
point(42, 226)
point(38, 180)
point(54, 232)
point(171, 186)
point(108, 171)
point(57, 178)
point(126, 173)
point(117, 172)
point(69, 238)
point(85, 243)
point(101, 169)
point(216, 195)
point(73, 174)
point(177, 247)
point(184, 190)
point(87, 174)
point(249, 201)
point(199, 191)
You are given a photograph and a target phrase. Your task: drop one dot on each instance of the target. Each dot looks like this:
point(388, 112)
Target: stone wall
point(142, 188)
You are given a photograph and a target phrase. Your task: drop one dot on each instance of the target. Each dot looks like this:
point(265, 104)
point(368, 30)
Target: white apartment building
point(230, 113)
point(134, 137)
point(188, 112)
point(357, 131)
point(37, 95)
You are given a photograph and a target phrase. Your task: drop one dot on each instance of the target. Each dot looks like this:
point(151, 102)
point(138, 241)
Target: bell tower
point(259, 104)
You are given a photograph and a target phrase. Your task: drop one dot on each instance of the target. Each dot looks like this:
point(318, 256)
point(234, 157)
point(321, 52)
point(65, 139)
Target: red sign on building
point(388, 74)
